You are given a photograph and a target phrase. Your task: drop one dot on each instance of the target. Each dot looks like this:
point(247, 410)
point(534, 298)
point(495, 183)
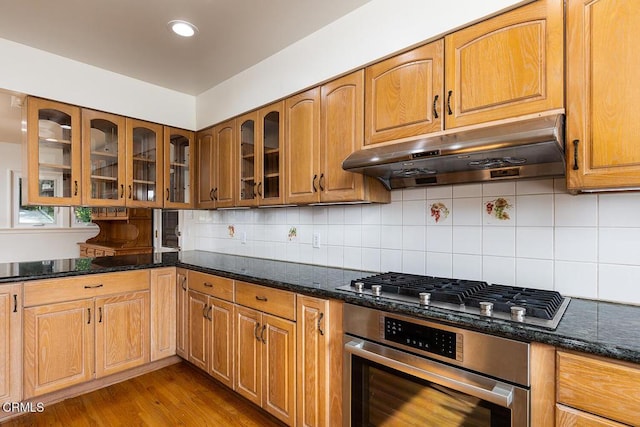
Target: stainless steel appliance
point(529, 306)
point(405, 371)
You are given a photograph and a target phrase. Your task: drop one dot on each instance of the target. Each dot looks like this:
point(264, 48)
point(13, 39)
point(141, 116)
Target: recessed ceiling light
point(183, 28)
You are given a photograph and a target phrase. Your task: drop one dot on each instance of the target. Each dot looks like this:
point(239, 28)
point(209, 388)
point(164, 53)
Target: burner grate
point(538, 303)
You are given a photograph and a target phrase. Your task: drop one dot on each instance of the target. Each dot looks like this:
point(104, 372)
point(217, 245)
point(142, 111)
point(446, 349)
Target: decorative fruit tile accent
point(438, 212)
point(293, 233)
point(498, 210)
point(231, 230)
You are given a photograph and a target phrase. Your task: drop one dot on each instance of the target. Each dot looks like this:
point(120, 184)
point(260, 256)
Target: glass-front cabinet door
point(104, 153)
point(270, 167)
point(248, 168)
point(144, 164)
point(53, 153)
point(178, 171)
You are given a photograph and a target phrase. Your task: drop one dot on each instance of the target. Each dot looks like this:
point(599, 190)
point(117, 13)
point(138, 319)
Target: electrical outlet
point(316, 240)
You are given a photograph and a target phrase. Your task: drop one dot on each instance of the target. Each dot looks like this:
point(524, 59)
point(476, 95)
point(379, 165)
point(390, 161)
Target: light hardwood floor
point(178, 395)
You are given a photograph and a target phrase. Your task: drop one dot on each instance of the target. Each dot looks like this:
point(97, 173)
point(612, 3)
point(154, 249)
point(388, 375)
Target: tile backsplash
point(525, 233)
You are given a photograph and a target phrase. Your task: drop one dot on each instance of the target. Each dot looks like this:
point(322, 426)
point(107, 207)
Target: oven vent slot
point(505, 173)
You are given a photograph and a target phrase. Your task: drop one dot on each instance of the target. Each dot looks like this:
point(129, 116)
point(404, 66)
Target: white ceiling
point(130, 37)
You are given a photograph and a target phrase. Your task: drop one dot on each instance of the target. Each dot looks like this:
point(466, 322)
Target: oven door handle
point(489, 390)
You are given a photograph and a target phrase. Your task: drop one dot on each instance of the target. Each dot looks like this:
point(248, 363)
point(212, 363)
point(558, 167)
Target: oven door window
point(382, 396)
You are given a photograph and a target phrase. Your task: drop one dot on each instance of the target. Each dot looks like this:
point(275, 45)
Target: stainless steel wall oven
point(406, 371)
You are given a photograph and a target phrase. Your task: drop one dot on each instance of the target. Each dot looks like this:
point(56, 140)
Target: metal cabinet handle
point(260, 189)
point(97, 285)
point(435, 106)
point(211, 194)
point(121, 191)
point(260, 298)
point(130, 192)
point(575, 154)
point(320, 320)
point(264, 328)
point(209, 313)
point(204, 310)
point(15, 303)
point(167, 194)
point(255, 331)
point(75, 188)
point(88, 315)
point(215, 194)
point(184, 283)
point(449, 111)
point(99, 314)
point(254, 190)
point(208, 285)
point(321, 182)
point(313, 183)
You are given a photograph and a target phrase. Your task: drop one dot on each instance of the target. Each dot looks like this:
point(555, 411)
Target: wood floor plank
point(178, 395)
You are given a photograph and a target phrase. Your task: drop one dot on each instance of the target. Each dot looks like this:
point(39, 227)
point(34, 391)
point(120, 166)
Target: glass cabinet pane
point(145, 164)
point(179, 160)
point(247, 160)
point(271, 155)
point(104, 159)
point(55, 154)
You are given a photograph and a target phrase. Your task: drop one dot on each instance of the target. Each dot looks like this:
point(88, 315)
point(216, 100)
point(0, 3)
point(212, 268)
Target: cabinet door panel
point(506, 66)
point(163, 313)
point(404, 94)
point(248, 378)
point(224, 170)
point(248, 154)
point(271, 163)
point(10, 343)
point(178, 168)
point(58, 346)
point(279, 368)
point(204, 174)
point(603, 59)
point(144, 164)
point(182, 315)
point(122, 332)
point(198, 329)
point(221, 341)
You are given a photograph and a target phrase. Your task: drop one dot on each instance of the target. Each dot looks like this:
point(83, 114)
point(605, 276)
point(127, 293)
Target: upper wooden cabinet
point(205, 181)
point(52, 159)
point(603, 59)
point(404, 94)
point(506, 66)
point(103, 158)
point(222, 165)
point(178, 168)
point(260, 145)
point(144, 164)
point(341, 134)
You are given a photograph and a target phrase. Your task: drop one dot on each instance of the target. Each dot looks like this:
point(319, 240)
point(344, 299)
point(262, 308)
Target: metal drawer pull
point(130, 191)
point(99, 285)
point(184, 283)
point(88, 315)
point(575, 154)
point(15, 303)
point(321, 182)
point(313, 183)
point(255, 331)
point(450, 112)
point(209, 313)
point(167, 194)
point(259, 298)
point(320, 320)
point(75, 188)
point(204, 311)
point(435, 106)
point(121, 191)
point(208, 285)
point(99, 314)
point(211, 194)
point(264, 327)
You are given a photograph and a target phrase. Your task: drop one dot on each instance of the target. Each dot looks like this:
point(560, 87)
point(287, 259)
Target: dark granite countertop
point(595, 327)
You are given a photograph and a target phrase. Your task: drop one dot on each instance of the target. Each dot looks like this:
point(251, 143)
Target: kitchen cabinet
point(342, 106)
point(10, 343)
point(211, 325)
point(51, 153)
point(596, 391)
point(265, 348)
point(216, 169)
point(163, 312)
point(103, 158)
point(144, 172)
point(507, 66)
point(123, 231)
point(603, 58)
point(302, 147)
point(319, 362)
point(260, 146)
point(404, 94)
point(178, 169)
point(182, 313)
point(81, 328)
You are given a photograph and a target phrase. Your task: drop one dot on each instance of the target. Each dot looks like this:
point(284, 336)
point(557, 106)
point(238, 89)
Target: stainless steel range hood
point(526, 148)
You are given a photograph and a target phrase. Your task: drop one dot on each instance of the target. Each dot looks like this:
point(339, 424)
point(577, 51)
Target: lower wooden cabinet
point(10, 343)
point(163, 312)
point(182, 313)
point(569, 417)
point(265, 362)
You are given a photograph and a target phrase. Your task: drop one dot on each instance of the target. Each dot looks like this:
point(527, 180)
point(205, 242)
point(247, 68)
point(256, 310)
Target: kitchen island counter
point(594, 327)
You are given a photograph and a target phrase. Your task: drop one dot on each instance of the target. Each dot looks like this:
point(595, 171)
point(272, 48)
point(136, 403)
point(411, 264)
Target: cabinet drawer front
point(268, 300)
point(569, 417)
point(219, 287)
point(600, 387)
point(92, 285)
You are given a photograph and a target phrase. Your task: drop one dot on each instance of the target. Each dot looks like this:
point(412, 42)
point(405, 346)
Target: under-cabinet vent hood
point(527, 148)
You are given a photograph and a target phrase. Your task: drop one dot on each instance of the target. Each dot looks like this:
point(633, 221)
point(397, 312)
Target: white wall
point(375, 30)
point(36, 72)
point(586, 245)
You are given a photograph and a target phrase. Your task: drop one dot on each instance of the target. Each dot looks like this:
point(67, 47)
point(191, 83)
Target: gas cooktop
point(525, 305)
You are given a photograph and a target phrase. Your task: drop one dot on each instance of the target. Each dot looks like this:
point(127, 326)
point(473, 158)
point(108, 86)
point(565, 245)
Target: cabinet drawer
point(88, 286)
point(602, 387)
point(219, 287)
point(569, 417)
point(268, 300)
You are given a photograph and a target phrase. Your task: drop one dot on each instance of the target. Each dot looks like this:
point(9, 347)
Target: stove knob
point(376, 290)
point(359, 287)
point(425, 298)
point(517, 313)
point(486, 308)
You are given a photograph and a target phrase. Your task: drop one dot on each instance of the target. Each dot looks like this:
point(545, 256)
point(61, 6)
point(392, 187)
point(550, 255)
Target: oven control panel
point(425, 338)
